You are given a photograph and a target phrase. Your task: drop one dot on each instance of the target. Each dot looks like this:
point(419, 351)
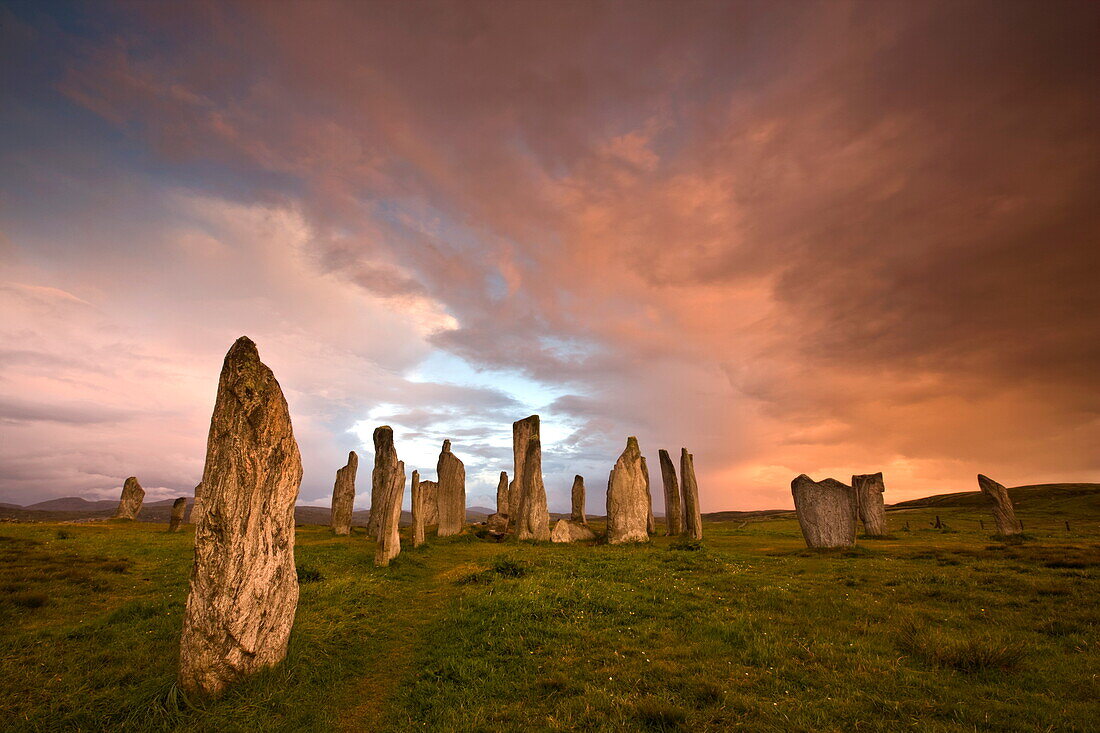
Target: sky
point(803, 237)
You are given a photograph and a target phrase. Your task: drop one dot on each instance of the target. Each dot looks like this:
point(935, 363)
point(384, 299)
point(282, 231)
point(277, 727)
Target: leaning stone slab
point(674, 515)
point(179, 507)
point(389, 537)
point(244, 589)
point(567, 530)
point(452, 492)
point(1003, 512)
point(869, 488)
point(343, 496)
point(385, 468)
point(577, 495)
point(826, 511)
point(129, 504)
point(627, 506)
point(693, 518)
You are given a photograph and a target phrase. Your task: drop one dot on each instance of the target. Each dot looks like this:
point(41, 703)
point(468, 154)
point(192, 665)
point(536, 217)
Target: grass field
point(932, 630)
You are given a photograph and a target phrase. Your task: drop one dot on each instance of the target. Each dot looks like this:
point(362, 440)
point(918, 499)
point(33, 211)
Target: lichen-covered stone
point(179, 508)
point(389, 538)
point(567, 530)
point(577, 495)
point(693, 517)
point(343, 496)
point(418, 523)
point(1003, 512)
point(627, 506)
point(826, 511)
point(385, 468)
point(674, 515)
point(129, 503)
point(244, 589)
point(534, 516)
point(523, 432)
point(452, 492)
point(869, 488)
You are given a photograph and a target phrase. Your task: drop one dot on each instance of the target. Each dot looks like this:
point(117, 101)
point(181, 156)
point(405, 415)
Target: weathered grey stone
point(385, 468)
point(869, 488)
point(179, 507)
point(196, 507)
point(430, 490)
point(502, 494)
point(497, 523)
point(627, 508)
point(389, 537)
point(343, 495)
point(567, 530)
point(244, 589)
point(1003, 511)
point(523, 431)
point(651, 521)
point(534, 516)
point(826, 511)
point(418, 523)
point(452, 492)
point(577, 513)
point(129, 503)
point(674, 515)
point(693, 518)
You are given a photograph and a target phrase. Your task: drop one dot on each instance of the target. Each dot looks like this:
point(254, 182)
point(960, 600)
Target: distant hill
point(1021, 496)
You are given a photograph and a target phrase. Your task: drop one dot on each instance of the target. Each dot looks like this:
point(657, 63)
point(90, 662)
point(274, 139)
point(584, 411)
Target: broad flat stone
point(566, 530)
point(826, 511)
point(129, 504)
point(627, 507)
point(869, 488)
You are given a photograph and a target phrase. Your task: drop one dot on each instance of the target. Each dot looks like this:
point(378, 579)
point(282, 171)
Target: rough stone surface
point(244, 589)
point(430, 490)
point(674, 513)
point(1003, 511)
point(418, 522)
point(872, 512)
point(389, 538)
point(196, 507)
point(826, 511)
point(577, 512)
point(385, 468)
point(693, 517)
point(343, 495)
point(627, 507)
point(651, 521)
point(452, 492)
point(523, 431)
point(129, 503)
point(502, 494)
point(533, 522)
point(179, 508)
point(497, 523)
point(567, 530)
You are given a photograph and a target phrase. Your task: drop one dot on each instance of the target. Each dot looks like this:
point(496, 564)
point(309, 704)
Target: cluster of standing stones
point(244, 586)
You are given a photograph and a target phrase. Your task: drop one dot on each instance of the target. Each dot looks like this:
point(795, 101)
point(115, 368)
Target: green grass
point(941, 630)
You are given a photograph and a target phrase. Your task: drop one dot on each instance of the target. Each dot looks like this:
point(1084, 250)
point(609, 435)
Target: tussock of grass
point(686, 544)
point(308, 574)
point(971, 654)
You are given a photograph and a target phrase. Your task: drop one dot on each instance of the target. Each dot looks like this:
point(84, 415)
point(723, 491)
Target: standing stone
point(385, 468)
point(674, 515)
point(627, 507)
point(1003, 512)
point(869, 489)
point(129, 504)
point(693, 518)
point(651, 521)
point(826, 511)
point(523, 431)
point(417, 510)
point(244, 588)
point(534, 516)
point(568, 530)
point(179, 507)
point(389, 537)
point(498, 522)
point(343, 495)
point(452, 492)
point(430, 491)
point(577, 513)
point(196, 508)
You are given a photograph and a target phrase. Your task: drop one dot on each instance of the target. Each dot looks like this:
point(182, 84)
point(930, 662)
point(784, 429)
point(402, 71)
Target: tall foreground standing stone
point(196, 508)
point(417, 510)
point(534, 517)
point(693, 517)
point(627, 507)
point(385, 468)
point(244, 589)
point(523, 431)
point(674, 516)
point(651, 521)
point(129, 504)
point(826, 511)
point(1003, 511)
point(179, 507)
point(869, 488)
point(343, 495)
point(389, 538)
point(577, 495)
point(452, 492)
